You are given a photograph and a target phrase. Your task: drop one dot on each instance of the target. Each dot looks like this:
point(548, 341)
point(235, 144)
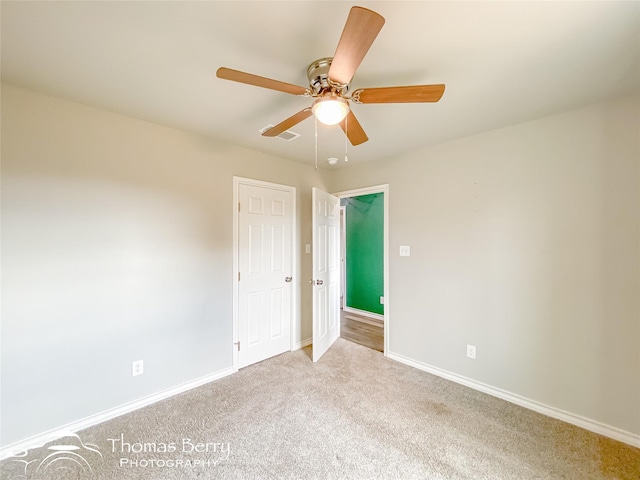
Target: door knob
point(319, 282)
point(288, 279)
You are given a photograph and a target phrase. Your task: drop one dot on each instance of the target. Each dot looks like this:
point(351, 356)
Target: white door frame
point(343, 257)
point(237, 181)
point(384, 189)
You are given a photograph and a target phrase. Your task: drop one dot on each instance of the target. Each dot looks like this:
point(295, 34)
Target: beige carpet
point(353, 415)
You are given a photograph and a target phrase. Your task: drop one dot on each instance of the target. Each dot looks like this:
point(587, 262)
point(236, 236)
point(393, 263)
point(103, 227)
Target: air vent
point(287, 135)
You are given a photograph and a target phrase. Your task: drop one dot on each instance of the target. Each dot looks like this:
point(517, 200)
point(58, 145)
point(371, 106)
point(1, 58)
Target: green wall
point(364, 246)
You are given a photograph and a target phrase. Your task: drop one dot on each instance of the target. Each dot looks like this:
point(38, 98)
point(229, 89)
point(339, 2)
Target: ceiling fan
point(329, 80)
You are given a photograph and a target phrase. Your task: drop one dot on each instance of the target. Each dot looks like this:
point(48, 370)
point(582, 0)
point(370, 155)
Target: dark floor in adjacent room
point(365, 331)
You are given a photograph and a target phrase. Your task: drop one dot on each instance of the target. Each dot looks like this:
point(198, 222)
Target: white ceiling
point(502, 63)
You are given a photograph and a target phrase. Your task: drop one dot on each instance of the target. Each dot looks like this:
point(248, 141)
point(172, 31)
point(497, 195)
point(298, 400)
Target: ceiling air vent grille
point(287, 135)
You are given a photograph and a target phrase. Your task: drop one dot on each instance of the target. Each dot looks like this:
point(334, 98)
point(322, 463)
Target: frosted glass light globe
point(330, 110)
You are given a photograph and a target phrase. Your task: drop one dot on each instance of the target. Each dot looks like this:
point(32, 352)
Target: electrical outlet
point(405, 250)
point(137, 368)
point(471, 351)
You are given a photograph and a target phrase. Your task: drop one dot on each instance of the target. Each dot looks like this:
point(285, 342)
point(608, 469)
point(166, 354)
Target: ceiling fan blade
point(288, 123)
point(352, 128)
point(361, 29)
point(250, 79)
point(411, 94)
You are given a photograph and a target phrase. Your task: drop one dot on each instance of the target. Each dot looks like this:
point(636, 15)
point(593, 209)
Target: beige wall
point(524, 242)
point(116, 246)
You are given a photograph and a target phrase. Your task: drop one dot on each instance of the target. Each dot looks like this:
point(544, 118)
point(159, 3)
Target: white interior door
point(326, 271)
point(265, 282)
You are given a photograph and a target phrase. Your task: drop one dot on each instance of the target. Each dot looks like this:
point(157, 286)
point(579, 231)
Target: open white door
point(326, 271)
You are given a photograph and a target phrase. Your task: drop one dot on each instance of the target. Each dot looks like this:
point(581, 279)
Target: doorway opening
point(364, 298)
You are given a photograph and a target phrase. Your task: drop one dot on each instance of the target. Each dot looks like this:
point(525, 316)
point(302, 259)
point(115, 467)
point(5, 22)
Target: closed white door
point(265, 272)
point(326, 271)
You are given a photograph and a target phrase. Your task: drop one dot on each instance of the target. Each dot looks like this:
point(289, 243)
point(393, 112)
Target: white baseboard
point(302, 344)
point(51, 435)
point(364, 313)
point(583, 422)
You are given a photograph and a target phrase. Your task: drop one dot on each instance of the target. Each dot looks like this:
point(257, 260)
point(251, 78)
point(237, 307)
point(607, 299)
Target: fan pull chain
point(316, 124)
point(346, 136)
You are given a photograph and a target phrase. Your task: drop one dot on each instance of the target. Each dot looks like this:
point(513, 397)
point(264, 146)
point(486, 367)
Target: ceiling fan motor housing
point(318, 75)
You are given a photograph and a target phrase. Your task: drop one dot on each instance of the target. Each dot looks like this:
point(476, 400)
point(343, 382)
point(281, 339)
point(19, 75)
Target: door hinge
point(238, 344)
point(238, 276)
point(238, 206)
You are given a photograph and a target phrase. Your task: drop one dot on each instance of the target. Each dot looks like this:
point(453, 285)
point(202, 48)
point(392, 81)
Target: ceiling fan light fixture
point(330, 109)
